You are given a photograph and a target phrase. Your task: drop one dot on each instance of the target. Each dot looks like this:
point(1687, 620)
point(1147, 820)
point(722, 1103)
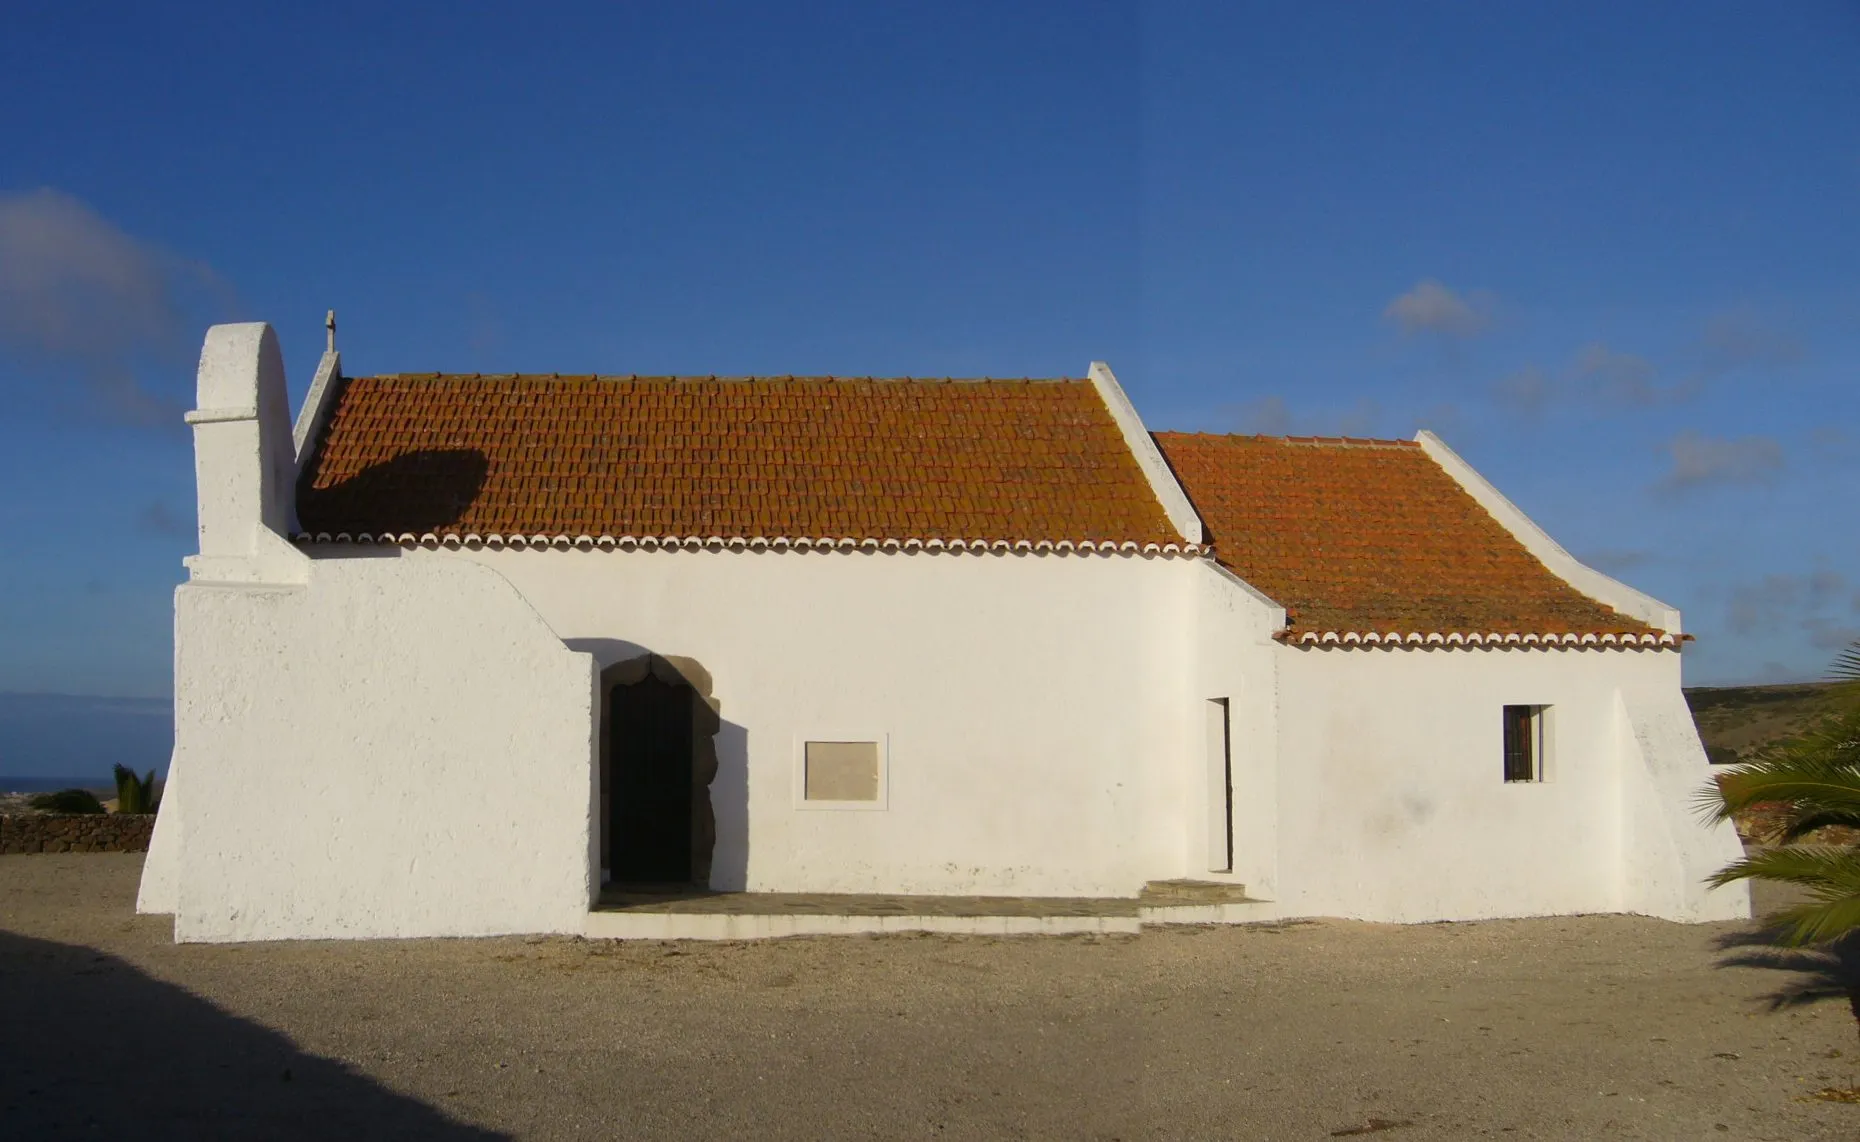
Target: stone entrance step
point(1201, 902)
point(1162, 893)
point(696, 914)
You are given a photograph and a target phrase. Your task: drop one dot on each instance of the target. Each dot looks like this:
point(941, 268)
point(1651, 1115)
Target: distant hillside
point(1735, 721)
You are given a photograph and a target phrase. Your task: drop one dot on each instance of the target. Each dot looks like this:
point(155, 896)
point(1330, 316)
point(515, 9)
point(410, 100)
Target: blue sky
point(1609, 256)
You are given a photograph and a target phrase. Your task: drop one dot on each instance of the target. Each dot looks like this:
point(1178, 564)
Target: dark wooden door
point(649, 746)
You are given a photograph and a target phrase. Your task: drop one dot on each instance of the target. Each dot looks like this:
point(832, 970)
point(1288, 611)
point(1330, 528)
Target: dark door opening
point(649, 744)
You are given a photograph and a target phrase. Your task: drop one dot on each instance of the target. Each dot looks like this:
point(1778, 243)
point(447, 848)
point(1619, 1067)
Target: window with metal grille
point(1524, 743)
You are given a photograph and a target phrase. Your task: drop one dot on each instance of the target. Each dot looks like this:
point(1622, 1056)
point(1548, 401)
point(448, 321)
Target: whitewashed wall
point(396, 748)
point(1033, 705)
point(367, 746)
point(388, 743)
point(1668, 850)
point(1393, 806)
point(1230, 642)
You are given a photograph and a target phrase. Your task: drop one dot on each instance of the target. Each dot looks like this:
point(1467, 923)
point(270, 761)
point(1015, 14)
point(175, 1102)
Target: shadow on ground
point(1810, 975)
point(91, 1047)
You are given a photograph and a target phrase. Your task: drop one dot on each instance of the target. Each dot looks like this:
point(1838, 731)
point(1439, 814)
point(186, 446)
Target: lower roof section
point(1370, 542)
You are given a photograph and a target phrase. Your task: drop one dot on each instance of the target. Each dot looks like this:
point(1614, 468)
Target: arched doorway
point(660, 758)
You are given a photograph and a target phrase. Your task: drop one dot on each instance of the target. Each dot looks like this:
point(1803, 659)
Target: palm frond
point(1815, 921)
point(1802, 822)
point(1829, 871)
point(1814, 774)
point(1846, 668)
point(1816, 781)
point(1814, 778)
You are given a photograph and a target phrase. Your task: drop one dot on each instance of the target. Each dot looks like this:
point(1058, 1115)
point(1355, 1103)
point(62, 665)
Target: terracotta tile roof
point(1362, 538)
point(451, 458)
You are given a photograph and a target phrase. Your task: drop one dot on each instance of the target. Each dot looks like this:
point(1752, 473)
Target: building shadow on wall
point(415, 491)
point(719, 758)
point(92, 1047)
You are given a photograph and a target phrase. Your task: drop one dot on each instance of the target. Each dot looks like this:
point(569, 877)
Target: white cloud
point(1613, 561)
point(1359, 419)
point(157, 518)
point(1271, 416)
point(1620, 377)
point(1828, 634)
point(1266, 416)
point(484, 324)
point(77, 291)
point(1445, 420)
point(1600, 379)
point(1527, 391)
point(1738, 338)
point(1431, 307)
point(1765, 602)
point(1811, 603)
point(1699, 461)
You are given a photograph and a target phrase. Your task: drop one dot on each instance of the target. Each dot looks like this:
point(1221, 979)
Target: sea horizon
point(77, 740)
point(41, 783)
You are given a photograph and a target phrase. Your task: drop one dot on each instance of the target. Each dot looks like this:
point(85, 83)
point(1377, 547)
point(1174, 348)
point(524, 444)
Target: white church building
point(466, 655)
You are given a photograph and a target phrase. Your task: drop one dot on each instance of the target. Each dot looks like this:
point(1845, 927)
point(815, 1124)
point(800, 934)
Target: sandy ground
point(1585, 1027)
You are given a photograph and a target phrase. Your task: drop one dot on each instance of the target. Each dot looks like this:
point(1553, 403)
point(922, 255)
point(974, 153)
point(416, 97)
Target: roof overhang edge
point(1548, 551)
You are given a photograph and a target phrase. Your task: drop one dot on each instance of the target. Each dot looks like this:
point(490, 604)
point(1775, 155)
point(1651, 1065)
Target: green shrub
point(67, 801)
point(136, 794)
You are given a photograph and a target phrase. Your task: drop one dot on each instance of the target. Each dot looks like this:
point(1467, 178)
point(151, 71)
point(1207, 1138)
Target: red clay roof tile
point(811, 457)
point(1368, 536)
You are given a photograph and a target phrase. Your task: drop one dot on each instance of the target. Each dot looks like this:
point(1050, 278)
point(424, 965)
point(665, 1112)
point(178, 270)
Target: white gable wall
point(1035, 706)
point(391, 749)
point(363, 747)
point(1393, 804)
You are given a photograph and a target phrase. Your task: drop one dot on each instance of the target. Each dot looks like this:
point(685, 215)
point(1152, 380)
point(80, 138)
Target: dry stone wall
point(75, 832)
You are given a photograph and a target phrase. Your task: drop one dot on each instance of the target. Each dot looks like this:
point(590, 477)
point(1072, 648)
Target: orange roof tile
point(1372, 536)
point(790, 457)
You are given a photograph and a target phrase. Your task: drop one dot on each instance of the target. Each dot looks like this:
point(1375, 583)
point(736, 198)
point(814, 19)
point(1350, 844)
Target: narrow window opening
point(1524, 743)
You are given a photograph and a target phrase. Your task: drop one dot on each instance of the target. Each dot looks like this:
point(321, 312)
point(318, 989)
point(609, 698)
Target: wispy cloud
point(1271, 416)
point(80, 294)
point(1602, 378)
point(1431, 307)
point(1445, 419)
point(1822, 604)
point(1267, 416)
point(1628, 380)
point(1699, 461)
point(1528, 391)
point(1614, 561)
point(1740, 338)
point(157, 518)
point(484, 324)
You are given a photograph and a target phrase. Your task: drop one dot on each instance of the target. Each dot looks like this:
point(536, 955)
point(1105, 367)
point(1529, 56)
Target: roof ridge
point(1262, 438)
point(752, 378)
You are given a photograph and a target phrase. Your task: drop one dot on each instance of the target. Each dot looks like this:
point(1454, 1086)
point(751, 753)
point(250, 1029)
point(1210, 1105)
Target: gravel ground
point(1580, 1027)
